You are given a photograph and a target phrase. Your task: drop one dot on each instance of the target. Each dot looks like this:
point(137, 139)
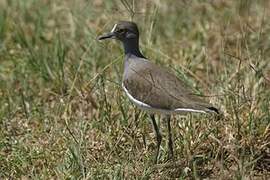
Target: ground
point(63, 113)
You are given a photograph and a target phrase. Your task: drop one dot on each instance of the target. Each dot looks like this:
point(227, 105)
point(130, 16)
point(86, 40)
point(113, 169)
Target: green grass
point(63, 113)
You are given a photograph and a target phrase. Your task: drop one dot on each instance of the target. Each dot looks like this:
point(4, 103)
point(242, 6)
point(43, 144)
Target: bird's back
point(159, 88)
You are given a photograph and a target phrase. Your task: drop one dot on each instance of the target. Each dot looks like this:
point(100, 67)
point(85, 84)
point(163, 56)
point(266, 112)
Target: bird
point(153, 88)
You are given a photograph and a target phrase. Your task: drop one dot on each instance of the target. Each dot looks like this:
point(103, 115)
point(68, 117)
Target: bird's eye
point(121, 31)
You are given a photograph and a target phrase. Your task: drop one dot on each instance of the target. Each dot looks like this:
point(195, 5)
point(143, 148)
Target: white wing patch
point(188, 110)
point(114, 27)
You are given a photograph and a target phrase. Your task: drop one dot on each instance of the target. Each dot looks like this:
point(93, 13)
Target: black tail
point(213, 109)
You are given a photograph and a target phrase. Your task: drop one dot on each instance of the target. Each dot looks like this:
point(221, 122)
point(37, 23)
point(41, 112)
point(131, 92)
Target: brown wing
point(159, 88)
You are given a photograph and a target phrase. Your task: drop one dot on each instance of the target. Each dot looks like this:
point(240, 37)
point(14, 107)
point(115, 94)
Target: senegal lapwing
point(151, 87)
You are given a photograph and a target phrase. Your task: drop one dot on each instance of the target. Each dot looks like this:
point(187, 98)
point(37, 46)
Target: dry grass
point(63, 114)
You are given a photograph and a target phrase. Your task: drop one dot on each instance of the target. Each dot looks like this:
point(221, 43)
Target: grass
point(63, 114)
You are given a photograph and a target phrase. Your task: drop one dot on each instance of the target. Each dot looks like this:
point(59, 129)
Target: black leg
point(158, 136)
point(170, 141)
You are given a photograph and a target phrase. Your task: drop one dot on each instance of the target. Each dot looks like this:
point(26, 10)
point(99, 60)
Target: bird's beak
point(109, 35)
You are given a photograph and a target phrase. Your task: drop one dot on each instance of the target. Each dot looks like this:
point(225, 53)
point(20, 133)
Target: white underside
point(147, 107)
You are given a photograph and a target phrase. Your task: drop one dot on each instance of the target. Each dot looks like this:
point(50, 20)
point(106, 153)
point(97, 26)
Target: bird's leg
point(158, 136)
point(170, 141)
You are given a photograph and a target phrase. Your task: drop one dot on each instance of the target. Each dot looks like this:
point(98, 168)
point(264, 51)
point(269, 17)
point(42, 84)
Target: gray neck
point(131, 47)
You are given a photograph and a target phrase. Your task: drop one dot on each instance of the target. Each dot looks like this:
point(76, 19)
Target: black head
point(123, 30)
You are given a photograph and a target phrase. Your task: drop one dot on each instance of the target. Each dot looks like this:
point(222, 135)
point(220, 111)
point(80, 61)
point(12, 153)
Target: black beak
point(107, 36)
